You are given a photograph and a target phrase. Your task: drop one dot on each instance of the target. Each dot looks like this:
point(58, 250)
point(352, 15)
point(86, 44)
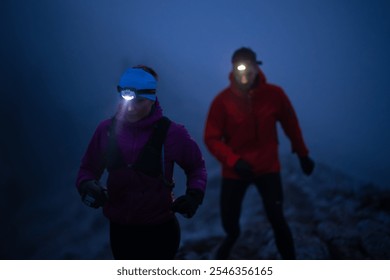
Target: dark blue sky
point(61, 61)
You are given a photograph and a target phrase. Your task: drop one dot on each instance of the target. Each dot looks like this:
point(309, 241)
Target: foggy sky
point(61, 61)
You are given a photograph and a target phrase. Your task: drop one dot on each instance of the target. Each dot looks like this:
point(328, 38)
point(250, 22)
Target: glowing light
point(241, 67)
point(128, 95)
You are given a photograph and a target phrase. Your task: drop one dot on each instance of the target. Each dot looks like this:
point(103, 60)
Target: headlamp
point(132, 93)
point(241, 67)
point(245, 72)
point(128, 94)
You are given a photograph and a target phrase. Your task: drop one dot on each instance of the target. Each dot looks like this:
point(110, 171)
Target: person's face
point(245, 73)
point(136, 109)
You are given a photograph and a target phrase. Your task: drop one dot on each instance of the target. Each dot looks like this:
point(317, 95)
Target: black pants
point(145, 242)
point(270, 189)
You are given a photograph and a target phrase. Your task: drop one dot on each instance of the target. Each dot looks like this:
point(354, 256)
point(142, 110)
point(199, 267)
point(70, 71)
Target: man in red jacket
point(241, 133)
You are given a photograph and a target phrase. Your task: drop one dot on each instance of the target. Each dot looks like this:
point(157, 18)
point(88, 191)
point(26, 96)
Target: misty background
point(61, 61)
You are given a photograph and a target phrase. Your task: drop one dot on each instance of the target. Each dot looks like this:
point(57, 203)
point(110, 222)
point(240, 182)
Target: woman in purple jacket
point(138, 147)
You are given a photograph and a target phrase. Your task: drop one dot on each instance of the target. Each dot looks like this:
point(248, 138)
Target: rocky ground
point(331, 216)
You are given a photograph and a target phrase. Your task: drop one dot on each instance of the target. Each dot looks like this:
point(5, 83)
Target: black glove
point(307, 165)
point(243, 169)
point(92, 194)
point(188, 204)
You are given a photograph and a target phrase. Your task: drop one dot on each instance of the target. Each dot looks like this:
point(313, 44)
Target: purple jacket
point(135, 198)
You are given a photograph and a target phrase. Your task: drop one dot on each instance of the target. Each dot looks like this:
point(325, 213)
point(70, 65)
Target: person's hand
point(188, 204)
point(243, 169)
point(307, 165)
point(92, 194)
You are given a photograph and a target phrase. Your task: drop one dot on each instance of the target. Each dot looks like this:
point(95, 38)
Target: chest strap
point(149, 161)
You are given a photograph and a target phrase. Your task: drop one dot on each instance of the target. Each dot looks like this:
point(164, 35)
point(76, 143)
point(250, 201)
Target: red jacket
point(244, 126)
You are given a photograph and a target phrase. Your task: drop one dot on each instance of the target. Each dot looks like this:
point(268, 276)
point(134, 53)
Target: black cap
point(245, 54)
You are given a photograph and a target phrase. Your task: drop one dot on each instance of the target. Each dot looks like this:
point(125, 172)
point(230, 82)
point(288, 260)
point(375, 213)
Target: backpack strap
point(150, 161)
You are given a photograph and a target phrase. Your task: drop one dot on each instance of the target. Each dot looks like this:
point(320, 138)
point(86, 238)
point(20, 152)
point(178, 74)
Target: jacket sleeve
point(92, 164)
point(289, 122)
point(214, 134)
point(189, 157)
